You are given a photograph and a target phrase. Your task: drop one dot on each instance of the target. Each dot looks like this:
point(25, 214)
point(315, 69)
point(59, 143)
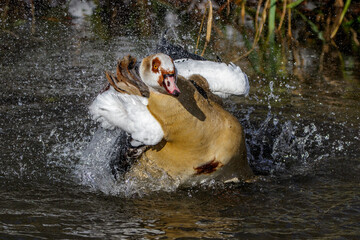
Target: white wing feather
point(129, 113)
point(224, 79)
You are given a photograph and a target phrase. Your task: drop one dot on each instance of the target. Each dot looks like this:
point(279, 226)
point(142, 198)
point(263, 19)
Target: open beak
point(169, 84)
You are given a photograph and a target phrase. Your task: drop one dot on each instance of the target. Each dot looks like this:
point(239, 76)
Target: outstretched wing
point(124, 105)
point(128, 112)
point(127, 79)
point(223, 79)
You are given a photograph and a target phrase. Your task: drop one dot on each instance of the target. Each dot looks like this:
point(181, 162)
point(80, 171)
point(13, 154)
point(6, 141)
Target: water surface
point(302, 139)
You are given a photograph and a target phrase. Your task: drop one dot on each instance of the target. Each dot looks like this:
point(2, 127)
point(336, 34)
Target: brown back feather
point(126, 79)
point(203, 88)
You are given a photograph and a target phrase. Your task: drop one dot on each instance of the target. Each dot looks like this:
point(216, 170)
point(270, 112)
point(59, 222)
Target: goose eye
point(156, 65)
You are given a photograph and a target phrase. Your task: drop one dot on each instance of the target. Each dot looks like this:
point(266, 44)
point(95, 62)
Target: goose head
point(159, 74)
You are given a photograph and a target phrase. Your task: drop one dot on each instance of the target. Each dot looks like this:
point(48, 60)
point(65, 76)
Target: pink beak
point(170, 85)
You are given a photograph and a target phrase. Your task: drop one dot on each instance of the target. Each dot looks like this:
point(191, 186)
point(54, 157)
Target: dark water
point(302, 139)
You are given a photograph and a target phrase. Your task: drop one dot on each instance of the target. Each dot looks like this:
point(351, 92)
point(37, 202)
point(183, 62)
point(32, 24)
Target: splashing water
point(93, 170)
point(86, 161)
point(276, 147)
point(55, 175)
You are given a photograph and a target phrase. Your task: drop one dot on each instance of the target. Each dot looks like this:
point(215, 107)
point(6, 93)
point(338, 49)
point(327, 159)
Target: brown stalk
point(289, 23)
point(282, 15)
point(354, 35)
point(228, 8)
point(243, 11)
point(296, 69)
point(263, 20)
point(11, 33)
point(201, 26)
point(257, 15)
point(208, 27)
point(6, 8)
point(258, 33)
point(325, 50)
point(327, 30)
point(225, 5)
point(33, 17)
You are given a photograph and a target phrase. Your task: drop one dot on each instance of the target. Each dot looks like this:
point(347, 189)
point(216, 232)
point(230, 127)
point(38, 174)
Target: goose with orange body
point(173, 113)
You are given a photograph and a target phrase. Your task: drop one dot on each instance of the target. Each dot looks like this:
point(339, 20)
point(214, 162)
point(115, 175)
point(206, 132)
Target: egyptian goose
point(175, 118)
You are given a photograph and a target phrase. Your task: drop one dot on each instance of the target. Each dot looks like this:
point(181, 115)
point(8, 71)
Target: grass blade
point(347, 4)
point(313, 26)
point(294, 4)
point(271, 26)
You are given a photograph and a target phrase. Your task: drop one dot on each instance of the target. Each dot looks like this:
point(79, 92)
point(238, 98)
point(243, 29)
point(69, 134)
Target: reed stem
point(282, 15)
point(257, 34)
point(6, 8)
point(33, 17)
point(201, 26)
point(228, 8)
point(243, 11)
point(271, 27)
point(208, 27)
point(257, 16)
point(347, 4)
point(289, 23)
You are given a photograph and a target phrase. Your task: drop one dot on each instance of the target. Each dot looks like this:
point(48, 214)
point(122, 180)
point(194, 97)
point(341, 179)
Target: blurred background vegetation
point(271, 36)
